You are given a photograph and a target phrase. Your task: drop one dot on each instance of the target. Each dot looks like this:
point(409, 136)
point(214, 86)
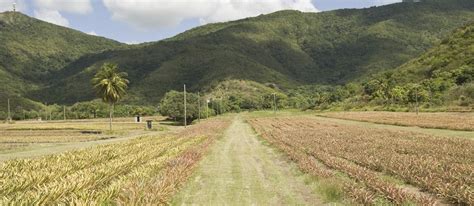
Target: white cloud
point(70, 6)
point(92, 33)
point(132, 42)
point(50, 10)
point(159, 13)
point(51, 16)
point(7, 5)
point(237, 9)
point(168, 13)
point(383, 2)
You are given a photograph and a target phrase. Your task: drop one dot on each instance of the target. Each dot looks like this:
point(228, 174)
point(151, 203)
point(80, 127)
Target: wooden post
point(212, 106)
point(110, 116)
point(64, 112)
point(416, 100)
point(45, 112)
point(9, 118)
point(185, 118)
point(199, 107)
point(274, 103)
point(207, 109)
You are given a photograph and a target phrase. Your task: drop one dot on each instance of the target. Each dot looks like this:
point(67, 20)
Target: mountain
point(441, 79)
point(31, 49)
point(286, 48)
point(453, 53)
point(445, 74)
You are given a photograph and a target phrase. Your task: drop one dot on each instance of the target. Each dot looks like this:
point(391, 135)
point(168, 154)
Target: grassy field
point(140, 171)
point(373, 166)
point(22, 134)
point(452, 121)
point(291, 157)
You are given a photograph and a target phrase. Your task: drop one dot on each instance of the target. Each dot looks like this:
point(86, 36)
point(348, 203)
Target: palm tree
point(111, 85)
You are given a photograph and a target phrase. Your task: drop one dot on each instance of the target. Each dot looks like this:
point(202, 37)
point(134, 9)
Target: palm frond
point(110, 84)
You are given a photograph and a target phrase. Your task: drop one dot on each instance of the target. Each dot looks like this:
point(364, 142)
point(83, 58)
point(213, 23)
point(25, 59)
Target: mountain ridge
point(285, 48)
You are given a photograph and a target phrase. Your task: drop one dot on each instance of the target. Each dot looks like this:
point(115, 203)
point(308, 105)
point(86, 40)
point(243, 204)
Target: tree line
point(385, 90)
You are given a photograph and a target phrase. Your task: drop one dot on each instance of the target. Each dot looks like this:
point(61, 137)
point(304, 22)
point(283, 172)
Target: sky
point(137, 21)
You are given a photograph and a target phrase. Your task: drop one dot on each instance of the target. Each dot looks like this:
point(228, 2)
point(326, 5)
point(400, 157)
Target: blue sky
point(136, 21)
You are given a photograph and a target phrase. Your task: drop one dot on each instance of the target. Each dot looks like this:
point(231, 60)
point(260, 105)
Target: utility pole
point(64, 112)
point(185, 123)
point(45, 112)
point(9, 114)
point(212, 106)
point(219, 105)
point(207, 109)
point(416, 100)
point(199, 107)
point(274, 104)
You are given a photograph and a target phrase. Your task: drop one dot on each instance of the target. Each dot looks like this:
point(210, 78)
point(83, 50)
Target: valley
point(237, 102)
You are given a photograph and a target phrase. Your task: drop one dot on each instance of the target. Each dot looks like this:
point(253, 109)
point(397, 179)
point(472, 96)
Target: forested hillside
point(442, 76)
point(441, 79)
point(286, 48)
point(31, 49)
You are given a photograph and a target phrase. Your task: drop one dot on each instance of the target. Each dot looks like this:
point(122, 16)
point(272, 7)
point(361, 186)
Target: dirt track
point(241, 170)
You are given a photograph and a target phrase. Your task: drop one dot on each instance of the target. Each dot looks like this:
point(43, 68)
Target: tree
point(172, 106)
point(399, 94)
point(84, 110)
point(377, 89)
point(417, 93)
point(464, 75)
point(111, 86)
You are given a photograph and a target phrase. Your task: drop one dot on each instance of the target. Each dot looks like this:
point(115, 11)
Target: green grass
point(158, 128)
point(331, 190)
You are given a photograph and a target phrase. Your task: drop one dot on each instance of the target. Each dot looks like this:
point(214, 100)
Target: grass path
point(241, 170)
